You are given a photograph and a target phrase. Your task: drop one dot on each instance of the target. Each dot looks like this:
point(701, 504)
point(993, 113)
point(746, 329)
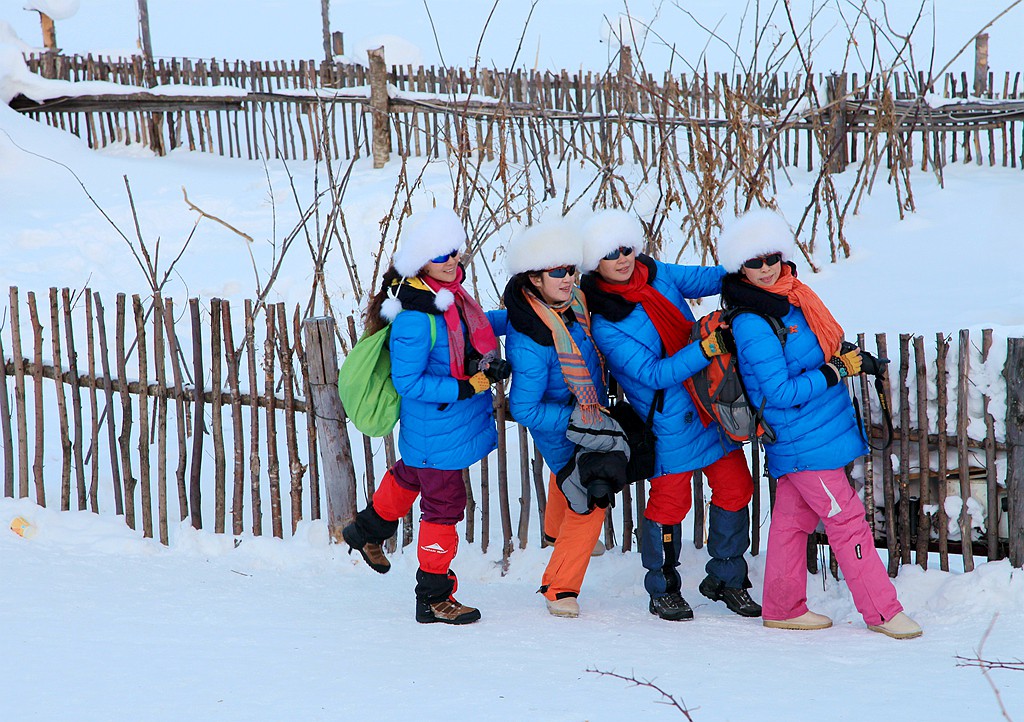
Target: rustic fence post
point(379, 107)
point(981, 65)
point(1014, 372)
point(339, 475)
point(838, 151)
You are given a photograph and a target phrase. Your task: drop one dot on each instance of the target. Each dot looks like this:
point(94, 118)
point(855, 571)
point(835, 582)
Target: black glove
point(831, 374)
point(600, 493)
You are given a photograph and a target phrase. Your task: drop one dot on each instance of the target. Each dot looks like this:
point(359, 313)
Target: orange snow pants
point(574, 536)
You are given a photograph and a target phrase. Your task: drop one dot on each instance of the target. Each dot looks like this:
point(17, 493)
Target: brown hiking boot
point(372, 552)
point(449, 611)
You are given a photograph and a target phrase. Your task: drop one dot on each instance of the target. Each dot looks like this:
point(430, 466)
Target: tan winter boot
point(598, 549)
point(564, 607)
point(806, 621)
point(899, 627)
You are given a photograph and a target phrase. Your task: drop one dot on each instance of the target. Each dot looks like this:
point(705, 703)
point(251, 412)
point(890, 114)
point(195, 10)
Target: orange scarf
point(823, 324)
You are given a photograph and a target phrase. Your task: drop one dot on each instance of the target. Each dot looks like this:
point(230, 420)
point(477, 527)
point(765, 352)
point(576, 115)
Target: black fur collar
point(522, 316)
point(611, 305)
point(737, 293)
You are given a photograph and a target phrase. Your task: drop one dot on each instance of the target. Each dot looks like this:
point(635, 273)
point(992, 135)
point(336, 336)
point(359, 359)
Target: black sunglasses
point(771, 259)
point(623, 250)
point(444, 257)
point(561, 272)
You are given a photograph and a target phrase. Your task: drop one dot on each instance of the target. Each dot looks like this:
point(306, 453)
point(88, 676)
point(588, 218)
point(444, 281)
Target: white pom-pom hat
point(433, 233)
point(608, 230)
point(549, 244)
point(755, 233)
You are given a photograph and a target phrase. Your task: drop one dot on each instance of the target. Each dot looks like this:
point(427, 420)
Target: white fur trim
point(431, 234)
point(756, 233)
point(549, 244)
point(390, 308)
point(607, 230)
point(444, 299)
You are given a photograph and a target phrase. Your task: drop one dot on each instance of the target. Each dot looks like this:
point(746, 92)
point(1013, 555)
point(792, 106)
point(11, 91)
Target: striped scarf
point(574, 368)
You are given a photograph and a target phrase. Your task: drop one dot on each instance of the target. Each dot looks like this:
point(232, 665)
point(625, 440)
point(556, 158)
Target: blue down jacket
point(816, 426)
point(540, 399)
point(635, 357)
point(436, 429)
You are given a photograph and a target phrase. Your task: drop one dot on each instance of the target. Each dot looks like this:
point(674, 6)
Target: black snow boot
point(366, 535)
point(736, 599)
point(435, 603)
point(671, 607)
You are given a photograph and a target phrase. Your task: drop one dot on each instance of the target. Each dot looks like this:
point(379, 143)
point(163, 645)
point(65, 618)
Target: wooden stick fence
point(307, 110)
point(180, 409)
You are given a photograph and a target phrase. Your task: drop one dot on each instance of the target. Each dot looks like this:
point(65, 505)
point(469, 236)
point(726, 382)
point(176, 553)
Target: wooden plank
point(76, 401)
point(5, 425)
point(525, 484)
point(216, 417)
point(888, 488)
point(254, 422)
point(904, 450)
point(942, 351)
point(124, 439)
point(108, 396)
point(338, 470)
point(195, 493)
point(962, 453)
point(1014, 375)
point(296, 470)
point(924, 519)
point(992, 503)
point(144, 442)
point(503, 500)
point(312, 467)
point(160, 364)
point(234, 393)
point(62, 408)
point(94, 416)
point(181, 415)
point(19, 393)
point(273, 465)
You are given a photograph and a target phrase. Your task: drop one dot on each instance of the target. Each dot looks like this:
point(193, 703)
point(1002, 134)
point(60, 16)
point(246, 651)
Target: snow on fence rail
point(102, 420)
point(309, 110)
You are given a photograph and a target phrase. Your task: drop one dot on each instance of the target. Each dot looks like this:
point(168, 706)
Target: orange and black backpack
point(718, 390)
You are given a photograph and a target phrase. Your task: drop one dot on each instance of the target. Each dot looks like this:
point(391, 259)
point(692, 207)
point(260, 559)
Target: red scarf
point(672, 326)
point(823, 325)
point(481, 335)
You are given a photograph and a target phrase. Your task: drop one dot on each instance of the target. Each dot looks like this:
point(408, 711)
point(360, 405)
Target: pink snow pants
point(801, 499)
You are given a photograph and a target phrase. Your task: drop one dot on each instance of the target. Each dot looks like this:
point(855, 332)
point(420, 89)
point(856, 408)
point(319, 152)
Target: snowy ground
point(100, 624)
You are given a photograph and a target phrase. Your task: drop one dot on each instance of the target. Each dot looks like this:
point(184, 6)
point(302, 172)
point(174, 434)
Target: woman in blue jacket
point(440, 343)
point(797, 380)
point(555, 367)
point(642, 325)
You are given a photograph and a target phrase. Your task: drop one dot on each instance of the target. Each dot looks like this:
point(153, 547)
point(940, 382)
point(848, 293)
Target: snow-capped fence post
point(379, 107)
point(339, 476)
point(1014, 373)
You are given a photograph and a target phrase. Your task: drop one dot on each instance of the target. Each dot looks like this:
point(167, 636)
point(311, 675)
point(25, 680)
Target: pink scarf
point(481, 335)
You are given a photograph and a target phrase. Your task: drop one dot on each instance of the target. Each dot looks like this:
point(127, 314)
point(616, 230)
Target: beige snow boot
point(564, 607)
point(598, 549)
point(899, 627)
point(807, 621)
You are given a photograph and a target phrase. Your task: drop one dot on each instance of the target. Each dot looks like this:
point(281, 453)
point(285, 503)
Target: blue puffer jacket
point(540, 399)
point(436, 429)
point(635, 357)
point(815, 425)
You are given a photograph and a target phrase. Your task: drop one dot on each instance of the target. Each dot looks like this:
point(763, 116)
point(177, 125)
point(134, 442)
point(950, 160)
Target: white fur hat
point(755, 233)
point(431, 234)
point(549, 244)
point(607, 230)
